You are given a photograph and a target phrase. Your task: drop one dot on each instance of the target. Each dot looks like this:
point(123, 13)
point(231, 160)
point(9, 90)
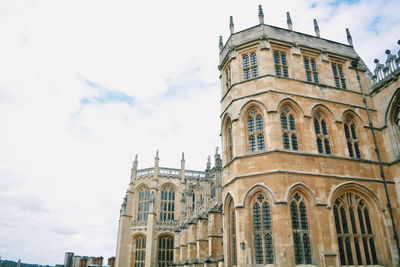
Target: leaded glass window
point(322, 134)
point(338, 75)
point(167, 204)
point(232, 235)
point(250, 68)
point(281, 66)
point(350, 131)
point(143, 205)
point(354, 230)
point(311, 69)
point(289, 134)
point(262, 231)
point(301, 234)
point(229, 143)
point(165, 251)
point(255, 130)
point(228, 77)
point(139, 251)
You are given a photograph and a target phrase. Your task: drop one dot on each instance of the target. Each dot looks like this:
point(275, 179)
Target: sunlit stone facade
point(299, 180)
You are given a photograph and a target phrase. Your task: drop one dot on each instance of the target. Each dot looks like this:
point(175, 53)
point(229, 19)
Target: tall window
point(255, 130)
point(351, 137)
point(250, 69)
point(167, 208)
point(262, 231)
point(281, 66)
point(354, 231)
point(140, 251)
point(229, 144)
point(165, 251)
point(228, 77)
point(322, 134)
point(143, 204)
point(289, 133)
point(338, 75)
point(301, 234)
point(232, 234)
point(311, 69)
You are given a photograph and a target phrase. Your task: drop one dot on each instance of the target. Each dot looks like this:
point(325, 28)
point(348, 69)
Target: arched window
point(255, 130)
point(167, 205)
point(229, 144)
point(262, 231)
point(354, 230)
point(165, 251)
point(232, 260)
point(143, 205)
point(352, 138)
point(301, 234)
point(322, 134)
point(140, 251)
point(289, 133)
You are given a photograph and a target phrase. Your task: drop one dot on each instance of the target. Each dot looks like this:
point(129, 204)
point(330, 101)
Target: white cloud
point(67, 146)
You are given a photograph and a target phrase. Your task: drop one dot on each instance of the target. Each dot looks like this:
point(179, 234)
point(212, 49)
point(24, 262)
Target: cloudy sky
point(85, 85)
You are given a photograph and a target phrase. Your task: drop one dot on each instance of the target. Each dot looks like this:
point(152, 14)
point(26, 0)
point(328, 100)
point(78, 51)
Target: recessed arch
point(367, 193)
point(254, 189)
point(252, 103)
point(356, 117)
point(390, 109)
point(304, 189)
point(291, 104)
point(323, 109)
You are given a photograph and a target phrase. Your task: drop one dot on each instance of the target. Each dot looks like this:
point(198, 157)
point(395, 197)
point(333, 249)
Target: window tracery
point(165, 251)
point(301, 234)
point(255, 130)
point(322, 134)
point(281, 65)
point(353, 144)
point(167, 204)
point(262, 231)
point(289, 133)
point(140, 251)
point(311, 69)
point(143, 205)
point(250, 68)
point(338, 75)
point(355, 235)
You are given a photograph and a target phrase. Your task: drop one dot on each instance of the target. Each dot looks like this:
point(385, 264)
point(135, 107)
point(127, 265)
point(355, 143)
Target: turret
point(134, 168)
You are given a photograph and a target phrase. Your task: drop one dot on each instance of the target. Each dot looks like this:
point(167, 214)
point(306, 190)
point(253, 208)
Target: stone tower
point(302, 182)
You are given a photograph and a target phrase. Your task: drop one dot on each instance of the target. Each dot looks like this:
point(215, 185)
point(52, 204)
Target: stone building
point(308, 170)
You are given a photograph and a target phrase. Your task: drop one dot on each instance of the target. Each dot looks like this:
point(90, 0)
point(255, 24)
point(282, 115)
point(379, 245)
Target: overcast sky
point(86, 85)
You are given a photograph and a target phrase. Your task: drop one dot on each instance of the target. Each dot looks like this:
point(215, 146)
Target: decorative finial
point(183, 156)
point(157, 153)
point(216, 150)
point(289, 21)
point(208, 162)
point(316, 28)
point(349, 39)
point(231, 25)
point(136, 157)
point(260, 14)
point(221, 43)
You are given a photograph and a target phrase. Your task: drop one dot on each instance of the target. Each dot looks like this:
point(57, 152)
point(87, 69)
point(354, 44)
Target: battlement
point(391, 67)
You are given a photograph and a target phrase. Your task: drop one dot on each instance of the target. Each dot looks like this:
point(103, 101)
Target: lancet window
point(228, 77)
point(356, 239)
point(311, 69)
point(167, 205)
point(143, 204)
point(338, 75)
point(250, 68)
point(229, 143)
point(281, 65)
point(165, 251)
point(353, 144)
point(232, 235)
point(255, 130)
point(301, 234)
point(322, 134)
point(262, 231)
point(289, 133)
point(140, 251)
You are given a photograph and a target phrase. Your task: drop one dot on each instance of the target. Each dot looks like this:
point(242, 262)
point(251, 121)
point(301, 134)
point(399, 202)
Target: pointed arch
point(289, 127)
point(356, 117)
point(391, 107)
point(252, 190)
point(231, 230)
point(325, 110)
point(165, 255)
point(227, 138)
point(292, 104)
point(249, 104)
point(367, 193)
point(352, 131)
point(138, 253)
point(322, 120)
point(304, 189)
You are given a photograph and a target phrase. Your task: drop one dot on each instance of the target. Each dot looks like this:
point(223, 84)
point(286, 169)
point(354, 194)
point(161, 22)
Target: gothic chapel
point(309, 170)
